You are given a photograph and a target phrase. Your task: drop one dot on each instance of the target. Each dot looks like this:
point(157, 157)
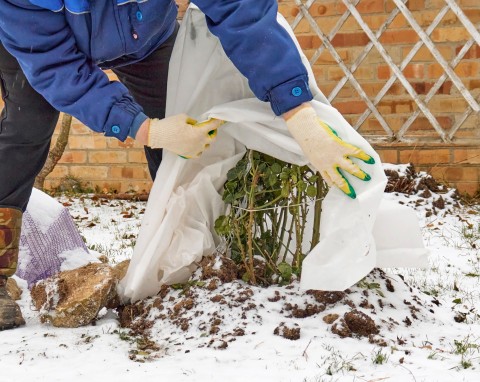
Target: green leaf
point(272, 180)
point(311, 191)
point(276, 168)
point(457, 301)
point(302, 186)
point(285, 270)
point(232, 174)
point(222, 225)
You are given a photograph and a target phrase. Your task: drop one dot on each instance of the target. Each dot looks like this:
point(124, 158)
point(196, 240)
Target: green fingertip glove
point(326, 151)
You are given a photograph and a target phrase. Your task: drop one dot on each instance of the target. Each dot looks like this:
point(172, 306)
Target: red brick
point(59, 172)
point(93, 141)
point(474, 84)
point(425, 156)
point(388, 156)
point(450, 34)
point(424, 87)
point(403, 36)
point(473, 52)
point(136, 156)
point(470, 188)
point(468, 3)
point(351, 107)
point(413, 5)
point(448, 174)
point(107, 156)
point(323, 9)
point(89, 172)
point(350, 39)
point(473, 14)
point(370, 6)
point(467, 156)
point(384, 72)
point(403, 106)
point(114, 143)
point(73, 157)
point(414, 71)
point(468, 69)
point(422, 123)
point(132, 172)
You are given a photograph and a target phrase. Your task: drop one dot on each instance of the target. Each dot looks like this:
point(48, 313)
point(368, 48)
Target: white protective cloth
point(178, 226)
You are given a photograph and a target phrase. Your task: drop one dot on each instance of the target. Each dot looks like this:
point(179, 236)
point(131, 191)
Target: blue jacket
point(62, 45)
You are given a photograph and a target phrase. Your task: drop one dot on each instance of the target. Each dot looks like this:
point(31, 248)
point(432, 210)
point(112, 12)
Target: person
point(52, 57)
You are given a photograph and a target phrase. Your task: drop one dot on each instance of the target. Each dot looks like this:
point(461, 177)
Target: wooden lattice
point(424, 40)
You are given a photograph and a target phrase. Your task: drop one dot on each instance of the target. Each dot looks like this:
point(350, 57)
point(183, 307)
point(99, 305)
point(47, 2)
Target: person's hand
point(327, 152)
point(179, 133)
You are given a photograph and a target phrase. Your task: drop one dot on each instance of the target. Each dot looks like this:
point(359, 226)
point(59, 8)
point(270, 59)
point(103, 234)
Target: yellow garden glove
point(182, 135)
point(326, 151)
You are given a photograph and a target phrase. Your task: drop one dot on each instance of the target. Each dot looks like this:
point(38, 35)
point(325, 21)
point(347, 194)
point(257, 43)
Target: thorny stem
point(290, 234)
point(266, 257)
point(283, 220)
point(298, 233)
point(317, 212)
point(251, 219)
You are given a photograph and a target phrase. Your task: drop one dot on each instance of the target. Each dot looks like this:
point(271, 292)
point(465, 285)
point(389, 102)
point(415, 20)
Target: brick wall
point(457, 163)
point(109, 164)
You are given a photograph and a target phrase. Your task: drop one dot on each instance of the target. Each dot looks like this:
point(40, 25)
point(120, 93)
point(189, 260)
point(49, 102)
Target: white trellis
point(424, 35)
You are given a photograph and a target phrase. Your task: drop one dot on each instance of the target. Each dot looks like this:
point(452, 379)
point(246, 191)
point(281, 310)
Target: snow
point(75, 258)
point(43, 215)
point(435, 347)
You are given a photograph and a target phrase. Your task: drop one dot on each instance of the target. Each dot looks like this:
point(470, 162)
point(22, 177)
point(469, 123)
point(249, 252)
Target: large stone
point(13, 290)
point(120, 269)
point(73, 298)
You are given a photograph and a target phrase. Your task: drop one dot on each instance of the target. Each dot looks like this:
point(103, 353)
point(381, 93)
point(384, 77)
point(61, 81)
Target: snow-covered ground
point(441, 343)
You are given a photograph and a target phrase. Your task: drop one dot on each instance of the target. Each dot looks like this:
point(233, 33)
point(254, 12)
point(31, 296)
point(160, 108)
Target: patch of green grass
point(379, 358)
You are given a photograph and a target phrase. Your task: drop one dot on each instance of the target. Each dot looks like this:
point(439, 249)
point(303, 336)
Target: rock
point(13, 290)
point(120, 269)
point(73, 298)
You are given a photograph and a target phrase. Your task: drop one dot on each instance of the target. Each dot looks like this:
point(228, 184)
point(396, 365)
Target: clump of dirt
point(389, 285)
point(220, 267)
point(404, 184)
point(411, 182)
point(307, 311)
point(330, 318)
point(341, 329)
point(199, 316)
point(434, 196)
point(290, 333)
point(360, 323)
point(326, 297)
point(439, 203)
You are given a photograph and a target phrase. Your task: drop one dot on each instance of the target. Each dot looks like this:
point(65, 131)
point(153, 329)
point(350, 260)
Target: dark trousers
point(27, 120)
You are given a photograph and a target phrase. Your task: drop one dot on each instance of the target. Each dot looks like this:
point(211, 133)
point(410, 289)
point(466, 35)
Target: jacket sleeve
point(261, 49)
point(45, 48)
